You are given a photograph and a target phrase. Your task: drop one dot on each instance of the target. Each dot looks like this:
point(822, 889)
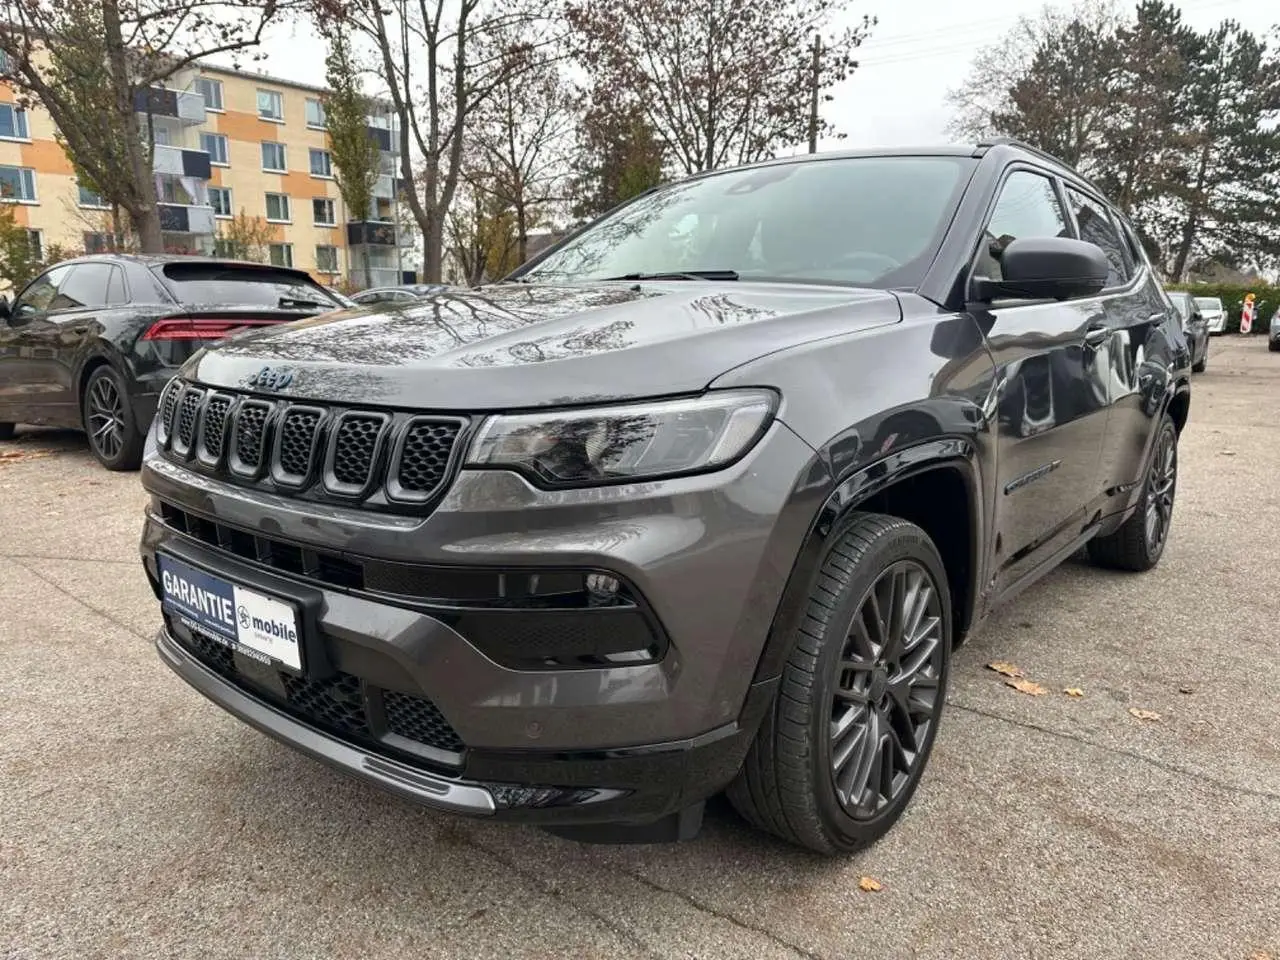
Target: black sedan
point(90, 343)
point(1194, 326)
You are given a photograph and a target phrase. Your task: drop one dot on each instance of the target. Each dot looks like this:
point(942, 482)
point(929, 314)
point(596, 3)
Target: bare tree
point(721, 81)
point(437, 75)
point(523, 137)
point(90, 63)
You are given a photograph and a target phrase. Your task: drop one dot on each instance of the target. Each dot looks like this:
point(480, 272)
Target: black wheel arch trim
point(946, 453)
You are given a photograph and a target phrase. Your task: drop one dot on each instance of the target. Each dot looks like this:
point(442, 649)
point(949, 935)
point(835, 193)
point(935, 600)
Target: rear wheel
point(838, 757)
point(1273, 346)
point(1139, 543)
point(114, 436)
point(6, 431)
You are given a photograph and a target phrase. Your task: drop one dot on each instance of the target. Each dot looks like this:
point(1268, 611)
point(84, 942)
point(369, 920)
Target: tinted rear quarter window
point(86, 287)
point(216, 283)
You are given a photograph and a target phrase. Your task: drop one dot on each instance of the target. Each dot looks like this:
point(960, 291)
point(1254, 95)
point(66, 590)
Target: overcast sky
point(919, 50)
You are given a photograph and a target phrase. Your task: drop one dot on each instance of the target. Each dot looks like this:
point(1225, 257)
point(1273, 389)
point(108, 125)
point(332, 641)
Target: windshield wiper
point(681, 275)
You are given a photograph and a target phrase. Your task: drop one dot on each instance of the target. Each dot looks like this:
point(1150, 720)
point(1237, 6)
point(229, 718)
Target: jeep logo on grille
point(271, 378)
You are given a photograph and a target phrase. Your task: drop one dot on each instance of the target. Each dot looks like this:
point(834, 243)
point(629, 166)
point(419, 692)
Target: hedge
point(1266, 301)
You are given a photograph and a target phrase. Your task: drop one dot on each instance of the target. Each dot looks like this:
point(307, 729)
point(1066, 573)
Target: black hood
point(527, 345)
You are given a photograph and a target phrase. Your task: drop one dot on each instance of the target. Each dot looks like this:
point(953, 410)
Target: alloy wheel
point(1160, 489)
point(887, 693)
point(106, 421)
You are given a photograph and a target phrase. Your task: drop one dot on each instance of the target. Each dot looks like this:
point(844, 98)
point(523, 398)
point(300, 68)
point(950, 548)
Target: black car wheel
point(838, 757)
point(114, 437)
point(6, 431)
point(1139, 543)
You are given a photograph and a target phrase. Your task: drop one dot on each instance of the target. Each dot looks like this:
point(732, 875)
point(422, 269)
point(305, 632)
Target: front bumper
point(627, 742)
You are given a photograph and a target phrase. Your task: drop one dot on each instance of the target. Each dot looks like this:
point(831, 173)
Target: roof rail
point(985, 145)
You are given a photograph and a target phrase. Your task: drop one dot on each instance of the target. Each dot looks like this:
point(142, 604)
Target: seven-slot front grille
point(377, 459)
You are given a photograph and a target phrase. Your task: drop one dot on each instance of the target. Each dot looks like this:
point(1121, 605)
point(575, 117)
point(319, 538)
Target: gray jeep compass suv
point(703, 498)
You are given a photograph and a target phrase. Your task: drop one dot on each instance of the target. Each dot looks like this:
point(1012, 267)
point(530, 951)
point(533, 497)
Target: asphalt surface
point(138, 820)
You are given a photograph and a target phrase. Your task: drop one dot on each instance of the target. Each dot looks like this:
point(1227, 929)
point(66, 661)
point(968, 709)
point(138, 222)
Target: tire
point(6, 431)
point(1273, 346)
point(1134, 547)
point(834, 683)
point(113, 432)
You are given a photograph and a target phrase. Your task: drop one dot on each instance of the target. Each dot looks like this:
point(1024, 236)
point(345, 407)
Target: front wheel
point(114, 436)
point(839, 755)
point(1139, 543)
point(1204, 360)
point(6, 431)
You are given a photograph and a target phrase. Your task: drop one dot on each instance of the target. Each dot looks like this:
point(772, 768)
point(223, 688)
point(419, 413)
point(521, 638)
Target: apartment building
point(226, 141)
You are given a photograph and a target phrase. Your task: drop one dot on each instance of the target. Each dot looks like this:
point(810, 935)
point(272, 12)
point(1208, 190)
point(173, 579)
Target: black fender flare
point(954, 453)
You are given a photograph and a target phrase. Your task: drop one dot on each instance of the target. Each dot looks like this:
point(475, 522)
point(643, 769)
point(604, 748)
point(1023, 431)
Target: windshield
point(865, 221)
point(1183, 303)
point(223, 283)
point(1209, 303)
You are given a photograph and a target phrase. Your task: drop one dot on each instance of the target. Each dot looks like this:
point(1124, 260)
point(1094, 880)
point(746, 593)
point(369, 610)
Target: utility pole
point(813, 92)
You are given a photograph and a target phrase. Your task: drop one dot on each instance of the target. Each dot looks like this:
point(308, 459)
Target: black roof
point(160, 259)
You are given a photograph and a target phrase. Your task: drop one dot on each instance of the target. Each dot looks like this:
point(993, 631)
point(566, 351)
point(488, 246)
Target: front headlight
point(615, 444)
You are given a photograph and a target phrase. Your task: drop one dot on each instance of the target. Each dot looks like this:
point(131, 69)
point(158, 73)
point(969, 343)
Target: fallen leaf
point(1027, 686)
point(1260, 955)
point(1186, 689)
point(869, 885)
point(1073, 692)
point(1007, 669)
point(15, 456)
point(1144, 714)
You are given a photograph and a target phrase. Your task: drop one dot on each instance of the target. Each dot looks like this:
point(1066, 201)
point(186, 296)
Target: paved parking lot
point(137, 820)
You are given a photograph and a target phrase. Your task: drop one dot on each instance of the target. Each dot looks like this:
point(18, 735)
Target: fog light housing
point(602, 587)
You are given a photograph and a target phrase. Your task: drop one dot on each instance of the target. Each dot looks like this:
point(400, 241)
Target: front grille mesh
point(338, 704)
point(251, 432)
point(397, 462)
point(418, 719)
point(215, 426)
point(354, 448)
point(188, 414)
point(424, 459)
point(297, 440)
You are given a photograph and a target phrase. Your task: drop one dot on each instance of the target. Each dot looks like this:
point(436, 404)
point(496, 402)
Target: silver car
point(1215, 315)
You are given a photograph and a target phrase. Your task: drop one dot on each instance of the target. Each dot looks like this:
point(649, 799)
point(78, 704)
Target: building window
point(315, 114)
point(18, 183)
point(326, 259)
point(281, 254)
point(278, 207)
point(211, 90)
point(322, 212)
point(220, 200)
point(35, 246)
point(270, 105)
point(321, 163)
point(215, 144)
point(90, 199)
point(97, 242)
point(160, 134)
point(273, 158)
point(13, 122)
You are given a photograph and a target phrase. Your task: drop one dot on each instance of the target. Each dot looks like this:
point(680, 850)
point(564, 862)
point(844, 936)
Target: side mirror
point(1046, 268)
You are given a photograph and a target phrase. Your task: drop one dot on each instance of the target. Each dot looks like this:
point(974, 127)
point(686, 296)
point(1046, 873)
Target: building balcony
point(375, 233)
point(182, 105)
point(387, 187)
point(180, 162)
point(181, 218)
point(386, 142)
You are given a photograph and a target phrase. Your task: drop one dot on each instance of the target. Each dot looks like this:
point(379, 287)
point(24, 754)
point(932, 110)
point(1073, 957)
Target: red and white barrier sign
point(1246, 315)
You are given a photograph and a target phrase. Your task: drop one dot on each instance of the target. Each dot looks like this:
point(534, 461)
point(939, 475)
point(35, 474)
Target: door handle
point(1097, 336)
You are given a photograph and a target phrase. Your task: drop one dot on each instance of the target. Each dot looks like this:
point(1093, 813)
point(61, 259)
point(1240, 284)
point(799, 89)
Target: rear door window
point(211, 284)
point(85, 288)
point(1097, 227)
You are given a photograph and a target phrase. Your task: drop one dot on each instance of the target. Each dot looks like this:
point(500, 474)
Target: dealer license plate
point(252, 623)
